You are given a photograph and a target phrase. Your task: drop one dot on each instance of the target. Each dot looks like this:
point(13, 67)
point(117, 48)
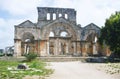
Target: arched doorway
point(59, 37)
point(27, 43)
point(92, 39)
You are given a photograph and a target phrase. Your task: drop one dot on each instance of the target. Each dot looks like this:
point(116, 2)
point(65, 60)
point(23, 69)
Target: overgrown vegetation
point(30, 56)
point(8, 69)
point(110, 34)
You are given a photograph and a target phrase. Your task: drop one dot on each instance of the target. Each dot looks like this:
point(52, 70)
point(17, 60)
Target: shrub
point(30, 56)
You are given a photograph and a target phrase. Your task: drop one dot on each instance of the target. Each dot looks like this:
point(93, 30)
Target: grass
point(36, 67)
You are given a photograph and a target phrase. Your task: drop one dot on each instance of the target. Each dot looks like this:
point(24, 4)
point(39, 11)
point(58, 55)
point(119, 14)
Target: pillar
point(51, 16)
point(67, 48)
point(57, 15)
point(17, 50)
point(74, 47)
point(94, 49)
point(48, 48)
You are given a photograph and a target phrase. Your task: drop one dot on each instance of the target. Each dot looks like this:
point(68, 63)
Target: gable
point(87, 30)
point(92, 26)
point(26, 24)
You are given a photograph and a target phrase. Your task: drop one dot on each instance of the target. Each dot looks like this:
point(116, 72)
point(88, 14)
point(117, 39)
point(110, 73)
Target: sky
point(14, 12)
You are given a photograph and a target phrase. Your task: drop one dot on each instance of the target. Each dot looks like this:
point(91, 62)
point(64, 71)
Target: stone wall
point(78, 40)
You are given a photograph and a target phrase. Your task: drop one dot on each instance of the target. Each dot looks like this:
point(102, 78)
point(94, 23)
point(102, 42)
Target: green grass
point(36, 67)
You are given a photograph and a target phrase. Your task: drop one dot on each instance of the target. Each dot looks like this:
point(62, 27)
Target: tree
point(110, 33)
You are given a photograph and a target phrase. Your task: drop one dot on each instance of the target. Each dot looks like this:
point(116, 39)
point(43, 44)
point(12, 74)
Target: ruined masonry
point(56, 33)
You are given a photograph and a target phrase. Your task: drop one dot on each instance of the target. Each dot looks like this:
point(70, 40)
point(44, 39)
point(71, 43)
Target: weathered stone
point(56, 34)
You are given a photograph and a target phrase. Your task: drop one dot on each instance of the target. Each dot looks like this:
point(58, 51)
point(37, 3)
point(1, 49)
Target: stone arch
point(64, 33)
point(27, 43)
point(27, 35)
point(51, 34)
point(91, 37)
point(69, 28)
point(93, 44)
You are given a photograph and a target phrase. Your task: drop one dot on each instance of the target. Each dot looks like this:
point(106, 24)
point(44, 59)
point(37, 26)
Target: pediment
point(26, 24)
point(92, 26)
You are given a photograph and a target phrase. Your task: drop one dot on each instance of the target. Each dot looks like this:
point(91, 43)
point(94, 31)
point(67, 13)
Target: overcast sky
point(13, 12)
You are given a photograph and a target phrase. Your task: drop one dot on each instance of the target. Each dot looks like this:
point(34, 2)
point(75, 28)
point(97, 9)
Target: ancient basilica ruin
point(57, 33)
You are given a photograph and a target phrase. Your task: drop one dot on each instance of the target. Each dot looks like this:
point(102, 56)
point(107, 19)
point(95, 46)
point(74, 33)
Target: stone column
point(57, 15)
point(94, 49)
point(48, 48)
point(51, 16)
point(74, 47)
point(63, 15)
point(25, 46)
point(57, 47)
point(67, 48)
point(17, 50)
point(60, 48)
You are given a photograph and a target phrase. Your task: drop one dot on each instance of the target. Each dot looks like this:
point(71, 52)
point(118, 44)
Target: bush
point(30, 56)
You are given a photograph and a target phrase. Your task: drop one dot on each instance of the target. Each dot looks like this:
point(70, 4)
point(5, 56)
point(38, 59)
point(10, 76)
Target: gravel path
point(76, 70)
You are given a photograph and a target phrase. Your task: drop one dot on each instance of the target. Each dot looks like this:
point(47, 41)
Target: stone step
point(62, 59)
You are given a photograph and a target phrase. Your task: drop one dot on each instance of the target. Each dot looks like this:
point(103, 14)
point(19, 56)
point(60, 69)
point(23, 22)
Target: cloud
point(88, 11)
point(18, 7)
point(7, 31)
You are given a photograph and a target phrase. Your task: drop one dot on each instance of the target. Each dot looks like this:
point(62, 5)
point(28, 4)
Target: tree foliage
point(110, 33)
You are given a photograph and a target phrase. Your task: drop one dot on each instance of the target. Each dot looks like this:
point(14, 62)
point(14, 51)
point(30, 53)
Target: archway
point(64, 34)
point(27, 43)
point(92, 39)
point(56, 34)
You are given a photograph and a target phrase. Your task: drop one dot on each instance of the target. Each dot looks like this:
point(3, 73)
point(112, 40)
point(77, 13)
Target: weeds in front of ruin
point(8, 69)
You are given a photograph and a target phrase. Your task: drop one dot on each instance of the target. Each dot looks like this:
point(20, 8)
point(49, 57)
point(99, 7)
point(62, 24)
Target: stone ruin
point(57, 33)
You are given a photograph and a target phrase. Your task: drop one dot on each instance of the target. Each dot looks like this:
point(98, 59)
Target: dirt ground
point(77, 70)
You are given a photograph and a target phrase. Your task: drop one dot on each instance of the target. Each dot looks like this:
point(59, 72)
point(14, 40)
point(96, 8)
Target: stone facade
point(56, 33)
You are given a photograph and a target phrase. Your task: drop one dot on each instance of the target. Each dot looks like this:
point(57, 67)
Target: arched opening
point(27, 43)
point(48, 16)
point(51, 34)
point(54, 16)
point(95, 40)
point(66, 16)
point(60, 15)
point(92, 38)
point(63, 34)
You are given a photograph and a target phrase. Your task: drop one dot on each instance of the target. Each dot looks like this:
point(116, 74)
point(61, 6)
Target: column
point(94, 49)
point(67, 48)
point(57, 15)
point(48, 48)
point(63, 15)
point(25, 46)
point(17, 50)
point(74, 47)
point(51, 16)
